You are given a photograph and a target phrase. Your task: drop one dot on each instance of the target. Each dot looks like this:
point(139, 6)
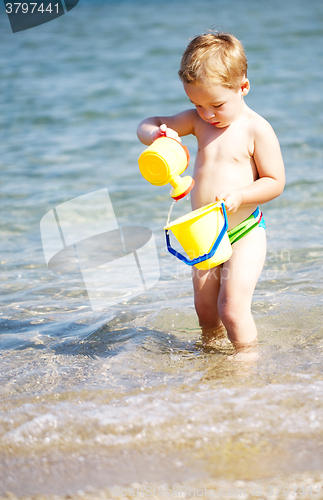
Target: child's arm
point(270, 166)
point(169, 126)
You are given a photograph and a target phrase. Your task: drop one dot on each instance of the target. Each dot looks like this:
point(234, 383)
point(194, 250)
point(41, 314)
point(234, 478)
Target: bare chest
point(224, 161)
point(231, 146)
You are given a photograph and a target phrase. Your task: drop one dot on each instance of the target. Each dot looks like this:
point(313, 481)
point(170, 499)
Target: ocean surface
point(125, 401)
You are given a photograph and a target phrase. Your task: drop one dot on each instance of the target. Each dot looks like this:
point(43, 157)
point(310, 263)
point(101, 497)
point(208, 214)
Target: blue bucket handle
point(206, 256)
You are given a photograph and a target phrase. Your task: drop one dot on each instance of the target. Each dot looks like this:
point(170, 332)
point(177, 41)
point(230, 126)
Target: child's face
point(216, 104)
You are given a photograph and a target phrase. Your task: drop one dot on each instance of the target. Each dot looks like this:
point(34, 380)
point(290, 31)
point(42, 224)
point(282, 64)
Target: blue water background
point(72, 93)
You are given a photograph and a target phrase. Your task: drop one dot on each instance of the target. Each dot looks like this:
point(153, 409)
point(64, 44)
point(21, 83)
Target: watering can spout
point(182, 186)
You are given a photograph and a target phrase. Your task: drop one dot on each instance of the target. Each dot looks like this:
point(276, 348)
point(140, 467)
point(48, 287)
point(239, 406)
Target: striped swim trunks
point(239, 231)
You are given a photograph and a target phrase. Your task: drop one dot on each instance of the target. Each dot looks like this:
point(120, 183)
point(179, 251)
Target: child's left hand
point(232, 200)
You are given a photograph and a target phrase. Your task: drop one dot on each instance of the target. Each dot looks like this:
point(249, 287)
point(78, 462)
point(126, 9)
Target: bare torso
point(224, 161)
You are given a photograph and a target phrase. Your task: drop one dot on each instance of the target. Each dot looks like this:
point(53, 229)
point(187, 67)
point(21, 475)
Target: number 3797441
point(25, 8)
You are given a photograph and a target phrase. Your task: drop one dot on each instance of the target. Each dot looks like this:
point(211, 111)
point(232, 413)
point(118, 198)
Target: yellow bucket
point(203, 235)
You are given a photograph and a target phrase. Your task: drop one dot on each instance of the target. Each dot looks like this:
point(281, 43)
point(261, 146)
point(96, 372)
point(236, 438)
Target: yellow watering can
point(162, 162)
point(203, 235)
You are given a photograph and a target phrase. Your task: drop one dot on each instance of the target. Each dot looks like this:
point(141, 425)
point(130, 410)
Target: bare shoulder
point(258, 125)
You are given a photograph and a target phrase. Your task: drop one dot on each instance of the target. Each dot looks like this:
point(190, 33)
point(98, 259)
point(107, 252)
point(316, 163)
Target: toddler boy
point(238, 161)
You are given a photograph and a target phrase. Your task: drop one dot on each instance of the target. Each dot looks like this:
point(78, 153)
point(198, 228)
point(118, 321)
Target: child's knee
point(230, 311)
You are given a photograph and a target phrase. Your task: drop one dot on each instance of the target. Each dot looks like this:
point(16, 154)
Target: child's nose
point(208, 113)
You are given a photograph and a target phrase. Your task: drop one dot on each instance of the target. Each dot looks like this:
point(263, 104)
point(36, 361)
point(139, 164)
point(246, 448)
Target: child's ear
point(245, 86)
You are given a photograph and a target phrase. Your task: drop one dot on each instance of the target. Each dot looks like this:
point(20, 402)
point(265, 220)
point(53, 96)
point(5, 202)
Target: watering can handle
point(206, 256)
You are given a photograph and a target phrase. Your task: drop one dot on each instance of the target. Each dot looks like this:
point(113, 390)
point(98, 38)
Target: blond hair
point(217, 57)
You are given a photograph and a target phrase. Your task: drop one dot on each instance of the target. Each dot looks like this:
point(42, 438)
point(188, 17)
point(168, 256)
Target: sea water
point(110, 403)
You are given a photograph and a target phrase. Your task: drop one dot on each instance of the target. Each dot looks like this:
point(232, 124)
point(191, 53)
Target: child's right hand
point(164, 131)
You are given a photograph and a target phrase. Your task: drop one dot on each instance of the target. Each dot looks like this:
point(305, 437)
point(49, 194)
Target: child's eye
point(218, 105)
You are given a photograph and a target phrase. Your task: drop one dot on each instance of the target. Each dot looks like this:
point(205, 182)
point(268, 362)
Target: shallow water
point(127, 396)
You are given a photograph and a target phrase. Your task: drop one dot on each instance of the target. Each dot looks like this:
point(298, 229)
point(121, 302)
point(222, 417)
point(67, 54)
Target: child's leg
point(206, 290)
point(239, 277)
point(206, 286)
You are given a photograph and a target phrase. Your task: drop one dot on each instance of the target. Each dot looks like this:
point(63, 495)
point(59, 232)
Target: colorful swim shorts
point(239, 231)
